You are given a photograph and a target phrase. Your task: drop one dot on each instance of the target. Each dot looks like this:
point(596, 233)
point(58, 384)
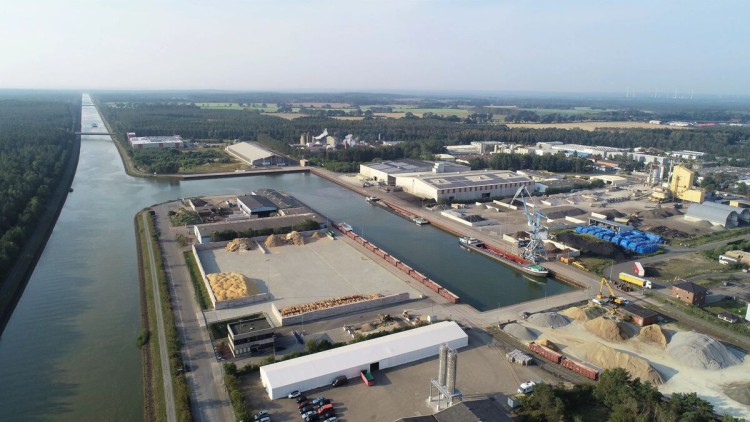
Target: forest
point(37, 136)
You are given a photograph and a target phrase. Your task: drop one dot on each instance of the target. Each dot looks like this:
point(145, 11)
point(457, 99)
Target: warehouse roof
point(719, 216)
point(405, 165)
point(473, 178)
point(255, 202)
point(639, 311)
point(742, 213)
point(361, 354)
point(485, 410)
point(257, 223)
point(249, 152)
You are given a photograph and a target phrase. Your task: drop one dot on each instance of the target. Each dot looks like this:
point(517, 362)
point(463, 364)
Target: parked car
point(309, 414)
point(325, 409)
point(312, 418)
point(294, 394)
point(331, 419)
point(324, 402)
point(305, 409)
point(339, 381)
point(303, 404)
point(317, 401)
point(301, 398)
point(260, 415)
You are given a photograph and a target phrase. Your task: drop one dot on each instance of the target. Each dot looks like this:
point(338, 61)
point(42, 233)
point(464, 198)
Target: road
point(209, 397)
point(164, 355)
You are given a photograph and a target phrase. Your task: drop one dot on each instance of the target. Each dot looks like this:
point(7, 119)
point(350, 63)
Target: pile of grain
point(607, 357)
point(228, 285)
point(701, 351)
point(520, 332)
point(296, 238)
point(606, 329)
point(324, 304)
point(653, 334)
point(548, 320)
point(239, 244)
point(274, 240)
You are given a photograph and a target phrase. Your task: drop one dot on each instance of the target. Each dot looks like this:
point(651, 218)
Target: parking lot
point(398, 392)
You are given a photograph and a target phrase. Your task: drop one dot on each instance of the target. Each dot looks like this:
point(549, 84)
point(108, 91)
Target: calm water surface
point(68, 353)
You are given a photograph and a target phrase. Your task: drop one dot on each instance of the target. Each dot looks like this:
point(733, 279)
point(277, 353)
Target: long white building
point(468, 186)
point(319, 369)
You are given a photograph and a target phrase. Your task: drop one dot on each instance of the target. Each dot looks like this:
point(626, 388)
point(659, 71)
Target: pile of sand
point(606, 329)
point(239, 244)
point(274, 240)
point(701, 351)
point(607, 357)
point(653, 334)
point(551, 248)
point(520, 332)
point(296, 238)
point(317, 235)
point(324, 304)
point(548, 320)
point(581, 314)
point(228, 285)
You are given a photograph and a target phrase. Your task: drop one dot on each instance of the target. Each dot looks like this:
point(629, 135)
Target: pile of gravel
point(701, 351)
point(548, 320)
point(520, 332)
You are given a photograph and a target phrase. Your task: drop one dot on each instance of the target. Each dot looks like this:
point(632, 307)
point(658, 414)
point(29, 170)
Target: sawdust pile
point(548, 344)
point(296, 238)
point(548, 320)
point(606, 329)
point(317, 235)
point(701, 351)
point(607, 357)
point(581, 314)
point(228, 286)
point(274, 240)
point(520, 332)
point(239, 244)
point(653, 334)
point(324, 304)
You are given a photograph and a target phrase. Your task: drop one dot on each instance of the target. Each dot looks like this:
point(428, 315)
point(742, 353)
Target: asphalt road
point(165, 372)
point(209, 397)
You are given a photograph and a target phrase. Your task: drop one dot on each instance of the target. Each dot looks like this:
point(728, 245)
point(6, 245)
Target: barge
point(509, 259)
point(414, 218)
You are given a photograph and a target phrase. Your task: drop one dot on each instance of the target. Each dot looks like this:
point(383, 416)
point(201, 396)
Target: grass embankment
point(201, 294)
point(715, 237)
point(684, 266)
point(179, 383)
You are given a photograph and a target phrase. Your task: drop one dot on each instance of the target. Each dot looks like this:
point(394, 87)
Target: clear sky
point(545, 46)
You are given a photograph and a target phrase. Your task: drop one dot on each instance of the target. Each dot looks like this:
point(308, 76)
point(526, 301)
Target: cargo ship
point(509, 259)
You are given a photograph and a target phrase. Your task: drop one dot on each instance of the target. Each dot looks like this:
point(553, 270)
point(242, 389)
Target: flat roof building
point(250, 335)
point(386, 171)
point(155, 141)
point(256, 205)
point(255, 155)
point(640, 315)
point(319, 369)
point(204, 232)
point(468, 186)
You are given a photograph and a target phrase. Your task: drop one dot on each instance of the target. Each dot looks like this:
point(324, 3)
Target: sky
point(359, 45)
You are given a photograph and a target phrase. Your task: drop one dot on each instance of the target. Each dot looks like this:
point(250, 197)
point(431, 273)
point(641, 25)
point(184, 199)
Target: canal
point(68, 352)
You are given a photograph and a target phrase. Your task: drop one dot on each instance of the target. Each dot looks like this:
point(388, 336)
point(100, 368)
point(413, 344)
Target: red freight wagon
point(581, 368)
point(546, 352)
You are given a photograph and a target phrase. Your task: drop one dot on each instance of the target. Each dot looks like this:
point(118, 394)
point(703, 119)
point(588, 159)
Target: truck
point(367, 377)
point(639, 270)
point(526, 387)
point(640, 282)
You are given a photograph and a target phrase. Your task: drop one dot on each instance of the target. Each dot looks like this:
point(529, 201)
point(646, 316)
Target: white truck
point(526, 387)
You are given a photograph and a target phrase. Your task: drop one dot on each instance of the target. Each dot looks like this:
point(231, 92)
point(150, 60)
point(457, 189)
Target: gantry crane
point(535, 249)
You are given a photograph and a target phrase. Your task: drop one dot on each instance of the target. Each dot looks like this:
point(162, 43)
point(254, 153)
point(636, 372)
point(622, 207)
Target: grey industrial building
point(467, 186)
point(387, 171)
point(256, 205)
point(718, 214)
point(282, 224)
point(249, 335)
point(255, 155)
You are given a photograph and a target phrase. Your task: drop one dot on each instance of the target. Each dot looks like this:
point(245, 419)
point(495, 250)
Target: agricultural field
point(591, 126)
point(269, 108)
point(567, 111)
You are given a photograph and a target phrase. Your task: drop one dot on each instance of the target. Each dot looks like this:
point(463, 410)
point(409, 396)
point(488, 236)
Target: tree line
point(37, 136)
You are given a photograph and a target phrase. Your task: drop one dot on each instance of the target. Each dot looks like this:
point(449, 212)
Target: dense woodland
point(615, 398)
point(36, 140)
point(425, 136)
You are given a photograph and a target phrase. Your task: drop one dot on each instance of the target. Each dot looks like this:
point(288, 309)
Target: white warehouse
point(319, 369)
point(468, 186)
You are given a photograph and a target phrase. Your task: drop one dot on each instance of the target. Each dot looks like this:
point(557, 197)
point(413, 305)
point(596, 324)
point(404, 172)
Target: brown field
point(319, 105)
point(348, 117)
point(288, 116)
point(590, 126)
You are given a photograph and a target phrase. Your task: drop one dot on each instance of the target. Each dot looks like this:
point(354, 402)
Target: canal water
point(68, 352)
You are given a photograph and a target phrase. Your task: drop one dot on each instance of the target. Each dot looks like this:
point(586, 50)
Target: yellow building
point(682, 183)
